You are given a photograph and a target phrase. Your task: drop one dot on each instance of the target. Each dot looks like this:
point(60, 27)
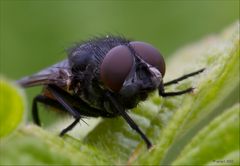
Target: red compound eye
point(115, 67)
point(149, 54)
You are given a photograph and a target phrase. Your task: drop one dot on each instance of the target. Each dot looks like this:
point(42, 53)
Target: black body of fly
point(103, 77)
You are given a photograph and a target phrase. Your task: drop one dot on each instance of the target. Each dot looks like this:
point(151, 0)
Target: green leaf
point(197, 128)
point(215, 143)
point(12, 106)
point(32, 145)
point(215, 86)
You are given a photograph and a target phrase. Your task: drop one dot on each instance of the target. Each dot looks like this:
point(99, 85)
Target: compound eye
point(149, 54)
point(115, 67)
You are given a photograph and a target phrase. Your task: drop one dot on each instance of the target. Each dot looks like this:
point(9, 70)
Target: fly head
point(132, 71)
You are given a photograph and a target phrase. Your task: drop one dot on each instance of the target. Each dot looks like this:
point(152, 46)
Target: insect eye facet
point(115, 67)
point(149, 54)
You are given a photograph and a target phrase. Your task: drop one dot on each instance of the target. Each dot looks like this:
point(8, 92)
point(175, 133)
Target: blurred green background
point(35, 34)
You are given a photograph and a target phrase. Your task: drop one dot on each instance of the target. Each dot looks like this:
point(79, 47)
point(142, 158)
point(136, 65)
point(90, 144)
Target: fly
point(103, 77)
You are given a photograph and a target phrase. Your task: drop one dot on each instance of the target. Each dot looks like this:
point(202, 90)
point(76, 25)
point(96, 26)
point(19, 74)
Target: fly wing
point(58, 74)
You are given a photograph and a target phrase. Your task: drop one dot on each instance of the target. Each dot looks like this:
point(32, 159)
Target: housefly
point(102, 77)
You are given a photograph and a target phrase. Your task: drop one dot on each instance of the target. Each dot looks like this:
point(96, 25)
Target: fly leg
point(183, 77)
point(45, 100)
point(128, 119)
point(70, 127)
point(59, 96)
point(167, 94)
point(73, 105)
point(53, 103)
